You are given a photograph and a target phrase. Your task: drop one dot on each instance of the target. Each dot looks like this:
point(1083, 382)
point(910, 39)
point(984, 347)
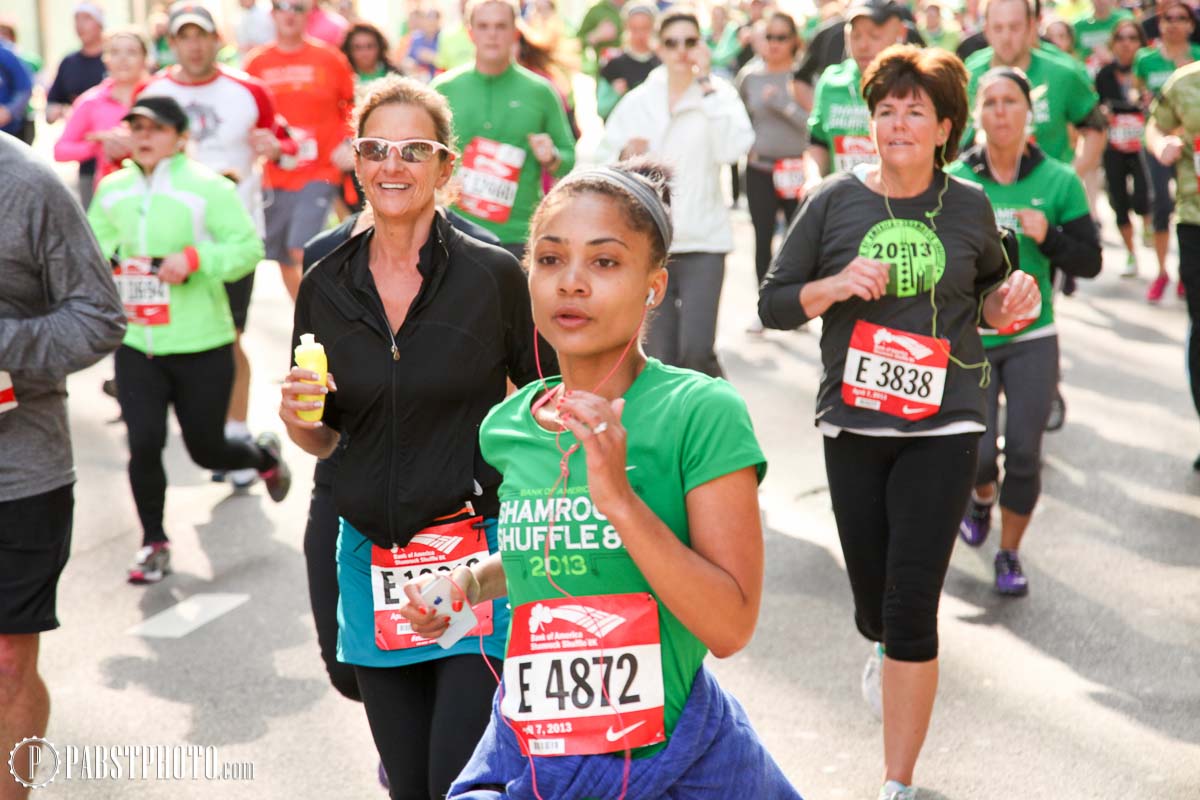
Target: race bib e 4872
point(583, 675)
point(894, 372)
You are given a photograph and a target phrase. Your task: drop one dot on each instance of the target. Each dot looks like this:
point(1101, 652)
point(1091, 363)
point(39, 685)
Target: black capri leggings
point(1119, 170)
point(1027, 373)
point(1162, 201)
point(320, 556)
point(765, 206)
point(1189, 276)
point(198, 385)
point(426, 720)
point(898, 502)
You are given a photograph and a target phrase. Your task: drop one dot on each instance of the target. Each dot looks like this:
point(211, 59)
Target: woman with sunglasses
point(421, 327)
point(697, 122)
point(1124, 155)
point(775, 166)
point(1151, 69)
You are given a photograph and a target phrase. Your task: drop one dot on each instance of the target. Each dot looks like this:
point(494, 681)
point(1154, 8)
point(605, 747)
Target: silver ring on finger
point(601, 428)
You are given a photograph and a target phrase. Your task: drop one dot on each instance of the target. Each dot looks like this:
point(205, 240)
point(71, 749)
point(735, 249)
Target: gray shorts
point(295, 217)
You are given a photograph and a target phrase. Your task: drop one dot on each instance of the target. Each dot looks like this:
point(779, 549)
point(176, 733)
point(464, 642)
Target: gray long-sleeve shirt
point(59, 313)
point(780, 124)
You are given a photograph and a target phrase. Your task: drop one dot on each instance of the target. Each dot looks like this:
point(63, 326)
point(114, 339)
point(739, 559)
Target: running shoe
point(872, 681)
point(975, 525)
point(755, 326)
point(1157, 288)
point(151, 563)
point(1010, 580)
point(1058, 413)
point(1131, 267)
point(278, 478)
point(895, 790)
point(243, 478)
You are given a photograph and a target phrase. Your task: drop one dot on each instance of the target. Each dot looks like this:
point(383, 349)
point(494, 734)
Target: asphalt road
point(1089, 687)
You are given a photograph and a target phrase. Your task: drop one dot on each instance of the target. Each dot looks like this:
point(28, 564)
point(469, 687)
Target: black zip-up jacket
point(411, 401)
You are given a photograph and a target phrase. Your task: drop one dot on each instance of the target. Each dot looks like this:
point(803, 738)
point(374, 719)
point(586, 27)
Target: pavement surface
point(1087, 688)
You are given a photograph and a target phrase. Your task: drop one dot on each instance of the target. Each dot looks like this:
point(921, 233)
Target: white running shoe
point(151, 563)
point(895, 790)
point(1131, 267)
point(242, 478)
point(872, 681)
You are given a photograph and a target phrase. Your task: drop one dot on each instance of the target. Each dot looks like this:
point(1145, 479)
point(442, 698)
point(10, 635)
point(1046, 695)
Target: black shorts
point(35, 541)
point(239, 300)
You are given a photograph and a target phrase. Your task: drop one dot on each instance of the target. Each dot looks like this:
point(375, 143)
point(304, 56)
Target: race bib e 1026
point(437, 550)
point(583, 675)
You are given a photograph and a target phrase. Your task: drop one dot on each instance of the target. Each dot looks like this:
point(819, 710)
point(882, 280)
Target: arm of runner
point(234, 249)
point(315, 438)
point(559, 130)
point(730, 134)
point(1092, 151)
point(74, 145)
point(1017, 298)
point(86, 321)
point(713, 587)
point(1073, 247)
point(816, 165)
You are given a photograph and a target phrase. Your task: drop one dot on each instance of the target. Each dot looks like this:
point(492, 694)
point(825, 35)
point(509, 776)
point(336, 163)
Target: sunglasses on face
point(288, 5)
point(686, 44)
point(778, 37)
point(412, 151)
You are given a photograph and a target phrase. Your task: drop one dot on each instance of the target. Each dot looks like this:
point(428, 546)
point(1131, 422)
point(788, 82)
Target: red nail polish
point(457, 605)
point(423, 609)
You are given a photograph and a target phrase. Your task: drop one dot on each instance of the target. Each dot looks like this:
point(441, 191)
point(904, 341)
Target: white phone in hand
point(437, 596)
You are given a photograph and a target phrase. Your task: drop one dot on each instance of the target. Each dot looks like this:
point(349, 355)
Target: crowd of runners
point(531, 470)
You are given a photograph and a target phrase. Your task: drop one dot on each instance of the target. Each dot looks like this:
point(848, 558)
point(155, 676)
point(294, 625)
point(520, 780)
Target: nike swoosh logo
point(911, 409)
point(631, 468)
point(621, 734)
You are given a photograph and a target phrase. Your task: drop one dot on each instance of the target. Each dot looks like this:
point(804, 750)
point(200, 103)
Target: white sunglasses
point(412, 151)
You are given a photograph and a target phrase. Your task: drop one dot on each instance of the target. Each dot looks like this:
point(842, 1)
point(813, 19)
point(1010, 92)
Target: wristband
point(193, 258)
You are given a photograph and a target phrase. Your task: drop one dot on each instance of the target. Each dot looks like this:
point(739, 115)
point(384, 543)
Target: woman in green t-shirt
point(629, 529)
point(1044, 202)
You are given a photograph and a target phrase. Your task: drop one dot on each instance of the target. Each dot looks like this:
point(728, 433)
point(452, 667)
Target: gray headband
point(636, 186)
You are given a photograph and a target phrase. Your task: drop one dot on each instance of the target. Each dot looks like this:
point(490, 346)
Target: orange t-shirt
point(314, 91)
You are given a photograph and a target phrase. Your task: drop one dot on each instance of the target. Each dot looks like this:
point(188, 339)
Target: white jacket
point(696, 137)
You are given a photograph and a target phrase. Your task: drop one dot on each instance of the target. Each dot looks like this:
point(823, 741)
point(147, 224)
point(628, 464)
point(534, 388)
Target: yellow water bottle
point(310, 355)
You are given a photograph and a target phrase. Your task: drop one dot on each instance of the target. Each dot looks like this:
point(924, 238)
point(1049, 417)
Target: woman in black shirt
point(901, 262)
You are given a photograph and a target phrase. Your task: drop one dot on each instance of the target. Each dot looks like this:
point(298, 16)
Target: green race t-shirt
point(1153, 69)
point(494, 115)
point(1178, 106)
point(1052, 188)
point(1092, 34)
point(684, 429)
point(1061, 96)
point(840, 120)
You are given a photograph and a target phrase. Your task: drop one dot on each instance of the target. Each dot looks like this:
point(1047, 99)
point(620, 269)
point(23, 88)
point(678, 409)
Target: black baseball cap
point(190, 14)
point(163, 110)
point(880, 11)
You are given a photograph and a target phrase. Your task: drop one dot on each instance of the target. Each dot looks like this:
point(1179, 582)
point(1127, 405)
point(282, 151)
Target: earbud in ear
point(650, 298)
